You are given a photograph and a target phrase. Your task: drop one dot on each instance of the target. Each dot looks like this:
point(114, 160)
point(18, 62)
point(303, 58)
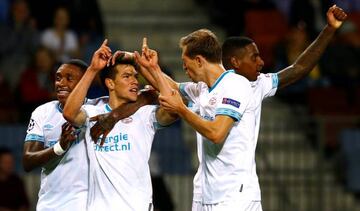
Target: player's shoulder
point(264, 76)
point(198, 85)
point(46, 107)
point(46, 110)
point(202, 85)
point(236, 79)
point(97, 101)
point(144, 113)
point(146, 108)
point(96, 108)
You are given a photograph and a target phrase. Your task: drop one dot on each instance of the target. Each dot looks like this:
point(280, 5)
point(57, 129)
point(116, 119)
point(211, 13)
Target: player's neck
point(215, 71)
point(115, 101)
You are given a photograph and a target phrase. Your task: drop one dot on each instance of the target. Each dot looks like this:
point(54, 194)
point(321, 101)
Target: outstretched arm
point(72, 109)
point(308, 59)
point(36, 155)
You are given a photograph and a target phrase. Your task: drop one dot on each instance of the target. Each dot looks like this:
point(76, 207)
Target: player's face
point(190, 67)
point(67, 76)
point(250, 62)
point(126, 85)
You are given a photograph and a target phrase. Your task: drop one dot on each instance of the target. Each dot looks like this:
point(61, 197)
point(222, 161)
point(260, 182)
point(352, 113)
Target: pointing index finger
point(144, 44)
point(105, 42)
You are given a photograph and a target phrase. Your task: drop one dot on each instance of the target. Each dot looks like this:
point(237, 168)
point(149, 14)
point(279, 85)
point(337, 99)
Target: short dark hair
point(79, 63)
point(231, 47)
point(110, 71)
point(202, 42)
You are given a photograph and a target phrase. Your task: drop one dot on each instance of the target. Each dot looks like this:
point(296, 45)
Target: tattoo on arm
point(307, 60)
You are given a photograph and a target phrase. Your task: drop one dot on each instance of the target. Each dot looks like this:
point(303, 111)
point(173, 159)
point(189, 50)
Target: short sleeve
point(35, 127)
point(269, 83)
point(233, 103)
point(190, 90)
point(148, 115)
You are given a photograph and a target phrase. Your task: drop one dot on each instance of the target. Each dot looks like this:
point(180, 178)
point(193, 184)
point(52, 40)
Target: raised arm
point(149, 60)
point(72, 109)
point(308, 59)
point(36, 155)
point(152, 70)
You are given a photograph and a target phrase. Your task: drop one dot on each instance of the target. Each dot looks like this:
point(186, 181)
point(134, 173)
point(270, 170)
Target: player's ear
point(199, 60)
point(109, 83)
point(235, 62)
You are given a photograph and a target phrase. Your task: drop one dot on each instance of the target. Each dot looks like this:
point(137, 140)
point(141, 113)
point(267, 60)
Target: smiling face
point(125, 85)
point(67, 76)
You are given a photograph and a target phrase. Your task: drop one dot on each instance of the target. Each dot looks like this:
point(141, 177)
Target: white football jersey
point(265, 86)
point(119, 170)
point(64, 181)
point(227, 171)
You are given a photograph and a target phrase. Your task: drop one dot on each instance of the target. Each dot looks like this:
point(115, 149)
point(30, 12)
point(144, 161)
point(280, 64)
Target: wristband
point(58, 149)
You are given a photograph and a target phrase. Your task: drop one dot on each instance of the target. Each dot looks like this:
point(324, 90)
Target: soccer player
point(225, 147)
point(57, 147)
point(119, 169)
point(47, 145)
point(242, 55)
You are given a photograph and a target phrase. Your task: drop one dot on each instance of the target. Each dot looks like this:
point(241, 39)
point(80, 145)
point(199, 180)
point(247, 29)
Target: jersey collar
point(219, 79)
point(108, 108)
point(61, 109)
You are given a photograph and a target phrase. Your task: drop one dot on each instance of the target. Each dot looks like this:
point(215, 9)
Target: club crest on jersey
point(212, 101)
point(31, 125)
point(232, 102)
point(127, 120)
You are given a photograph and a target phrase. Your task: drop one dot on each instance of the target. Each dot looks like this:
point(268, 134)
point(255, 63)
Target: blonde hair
point(202, 42)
